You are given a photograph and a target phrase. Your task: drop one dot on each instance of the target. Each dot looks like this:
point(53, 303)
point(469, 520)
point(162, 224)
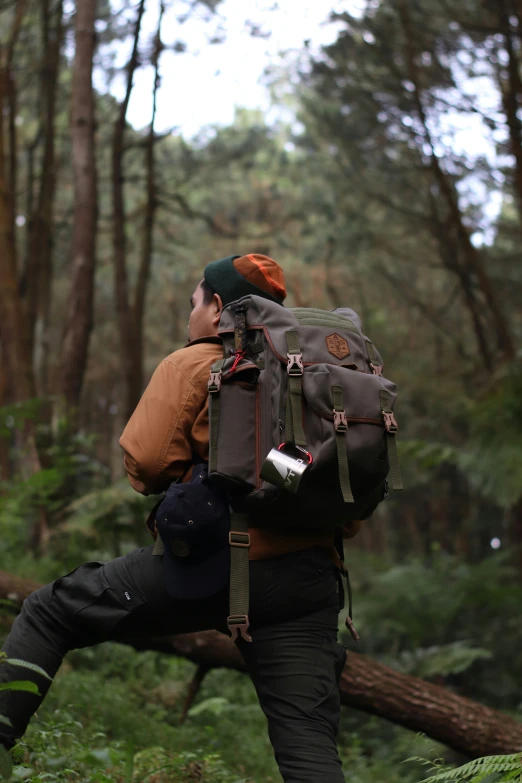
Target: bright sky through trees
point(204, 84)
point(214, 63)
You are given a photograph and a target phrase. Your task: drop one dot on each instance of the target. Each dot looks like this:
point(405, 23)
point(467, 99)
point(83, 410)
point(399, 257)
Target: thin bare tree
point(79, 318)
point(121, 285)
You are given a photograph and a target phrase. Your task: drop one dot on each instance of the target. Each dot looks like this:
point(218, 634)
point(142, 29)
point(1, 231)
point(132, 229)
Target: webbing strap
point(159, 548)
point(343, 573)
point(374, 359)
point(292, 342)
point(341, 428)
point(294, 432)
point(289, 429)
point(214, 404)
point(239, 540)
point(391, 429)
point(349, 619)
point(395, 468)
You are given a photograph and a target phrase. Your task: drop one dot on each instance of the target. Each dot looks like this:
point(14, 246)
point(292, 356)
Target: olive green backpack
point(310, 382)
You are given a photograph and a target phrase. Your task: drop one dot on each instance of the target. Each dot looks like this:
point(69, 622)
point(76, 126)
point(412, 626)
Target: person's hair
point(208, 292)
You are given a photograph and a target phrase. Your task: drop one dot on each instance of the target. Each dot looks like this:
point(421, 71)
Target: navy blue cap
point(193, 522)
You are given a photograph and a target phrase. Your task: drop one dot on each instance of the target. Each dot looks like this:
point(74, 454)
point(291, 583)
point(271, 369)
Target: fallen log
point(366, 684)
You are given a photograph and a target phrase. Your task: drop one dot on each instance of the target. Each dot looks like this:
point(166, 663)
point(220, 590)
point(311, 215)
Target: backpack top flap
point(324, 337)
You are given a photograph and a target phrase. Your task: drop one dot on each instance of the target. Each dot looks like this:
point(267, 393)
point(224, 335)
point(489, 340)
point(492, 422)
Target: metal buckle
point(238, 625)
point(214, 382)
point(235, 538)
point(340, 421)
point(376, 369)
point(295, 364)
point(389, 422)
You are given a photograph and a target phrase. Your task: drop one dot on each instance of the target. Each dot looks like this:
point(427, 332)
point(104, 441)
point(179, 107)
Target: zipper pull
point(351, 628)
point(239, 355)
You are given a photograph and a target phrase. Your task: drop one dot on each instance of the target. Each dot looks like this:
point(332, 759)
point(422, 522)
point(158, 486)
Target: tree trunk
point(15, 336)
point(511, 94)
point(515, 534)
point(472, 258)
point(367, 685)
point(38, 277)
point(331, 277)
point(5, 458)
point(138, 310)
point(15, 343)
point(80, 310)
point(121, 286)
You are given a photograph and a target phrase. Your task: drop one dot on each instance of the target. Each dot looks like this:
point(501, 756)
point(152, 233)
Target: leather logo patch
point(337, 346)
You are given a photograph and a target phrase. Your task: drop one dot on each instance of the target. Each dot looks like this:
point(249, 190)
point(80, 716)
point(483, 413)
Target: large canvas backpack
point(306, 377)
point(311, 382)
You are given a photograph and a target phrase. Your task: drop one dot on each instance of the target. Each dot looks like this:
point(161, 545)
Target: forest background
point(386, 175)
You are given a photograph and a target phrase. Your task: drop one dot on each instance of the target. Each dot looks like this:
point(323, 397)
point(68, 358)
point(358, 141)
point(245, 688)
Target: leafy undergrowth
point(113, 715)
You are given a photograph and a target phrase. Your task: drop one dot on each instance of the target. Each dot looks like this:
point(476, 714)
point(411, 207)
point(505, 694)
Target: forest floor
point(113, 715)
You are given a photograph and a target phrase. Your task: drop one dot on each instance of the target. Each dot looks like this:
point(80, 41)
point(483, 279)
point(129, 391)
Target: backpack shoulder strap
point(239, 539)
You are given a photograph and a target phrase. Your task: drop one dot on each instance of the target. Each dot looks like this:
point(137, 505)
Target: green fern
point(489, 769)
point(6, 765)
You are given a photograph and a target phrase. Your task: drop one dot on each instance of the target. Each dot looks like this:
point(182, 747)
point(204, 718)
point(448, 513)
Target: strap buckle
point(235, 538)
point(340, 421)
point(295, 364)
point(214, 382)
point(390, 422)
point(376, 369)
point(238, 625)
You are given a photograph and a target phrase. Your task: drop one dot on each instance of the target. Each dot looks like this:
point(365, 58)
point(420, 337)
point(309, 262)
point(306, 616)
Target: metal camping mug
point(285, 470)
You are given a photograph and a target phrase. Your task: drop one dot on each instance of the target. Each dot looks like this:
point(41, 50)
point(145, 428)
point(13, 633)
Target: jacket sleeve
point(157, 438)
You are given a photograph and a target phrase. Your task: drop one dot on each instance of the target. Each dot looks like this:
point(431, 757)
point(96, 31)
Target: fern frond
point(478, 770)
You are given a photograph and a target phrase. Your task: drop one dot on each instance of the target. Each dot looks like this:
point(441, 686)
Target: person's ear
point(218, 304)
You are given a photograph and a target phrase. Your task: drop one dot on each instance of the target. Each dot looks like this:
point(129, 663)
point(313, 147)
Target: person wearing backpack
point(233, 551)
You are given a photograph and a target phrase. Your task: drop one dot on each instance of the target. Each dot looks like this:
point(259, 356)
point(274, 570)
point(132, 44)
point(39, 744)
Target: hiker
point(289, 638)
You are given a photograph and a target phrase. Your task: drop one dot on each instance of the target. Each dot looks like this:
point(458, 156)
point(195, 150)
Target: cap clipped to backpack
point(193, 522)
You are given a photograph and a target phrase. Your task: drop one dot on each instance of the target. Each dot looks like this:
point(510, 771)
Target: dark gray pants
point(294, 659)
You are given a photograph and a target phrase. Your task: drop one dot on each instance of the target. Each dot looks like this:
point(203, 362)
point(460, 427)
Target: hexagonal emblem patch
point(337, 346)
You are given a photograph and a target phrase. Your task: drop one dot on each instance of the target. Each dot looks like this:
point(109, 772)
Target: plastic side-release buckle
point(295, 364)
point(238, 625)
point(376, 369)
point(340, 421)
point(214, 382)
point(390, 422)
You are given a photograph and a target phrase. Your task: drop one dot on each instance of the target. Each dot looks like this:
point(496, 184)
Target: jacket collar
point(210, 339)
